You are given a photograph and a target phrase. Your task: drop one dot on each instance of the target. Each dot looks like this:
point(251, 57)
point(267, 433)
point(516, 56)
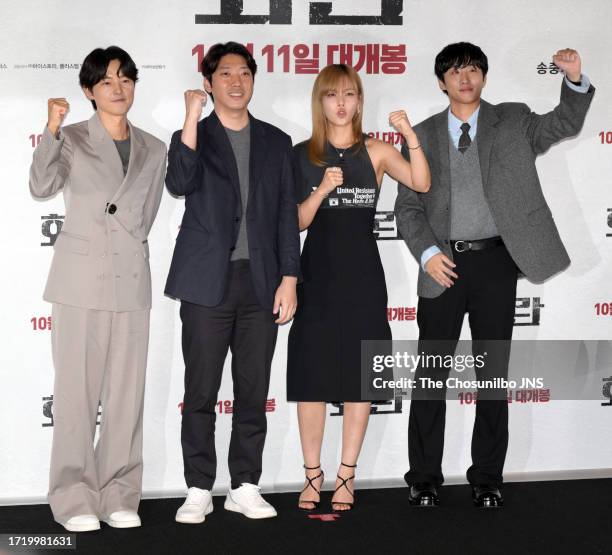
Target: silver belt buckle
point(462, 246)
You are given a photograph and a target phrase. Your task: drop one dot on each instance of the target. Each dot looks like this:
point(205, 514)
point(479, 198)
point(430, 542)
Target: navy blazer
point(208, 179)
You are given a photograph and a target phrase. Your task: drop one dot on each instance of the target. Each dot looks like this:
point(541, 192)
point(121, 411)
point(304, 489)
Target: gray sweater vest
point(470, 214)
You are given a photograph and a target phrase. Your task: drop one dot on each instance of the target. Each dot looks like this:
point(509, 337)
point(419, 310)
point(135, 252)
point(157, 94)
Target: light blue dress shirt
point(454, 132)
point(454, 126)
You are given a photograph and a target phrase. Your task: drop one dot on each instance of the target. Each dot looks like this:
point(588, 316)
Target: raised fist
point(57, 109)
point(195, 100)
point(568, 61)
point(400, 122)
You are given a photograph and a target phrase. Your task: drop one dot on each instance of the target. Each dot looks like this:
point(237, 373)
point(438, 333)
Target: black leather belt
point(477, 245)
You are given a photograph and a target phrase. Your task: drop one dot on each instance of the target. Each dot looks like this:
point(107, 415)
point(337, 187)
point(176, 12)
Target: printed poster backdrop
point(392, 43)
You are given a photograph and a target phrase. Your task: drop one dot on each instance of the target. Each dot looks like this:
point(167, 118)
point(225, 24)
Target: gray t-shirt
point(123, 147)
point(241, 145)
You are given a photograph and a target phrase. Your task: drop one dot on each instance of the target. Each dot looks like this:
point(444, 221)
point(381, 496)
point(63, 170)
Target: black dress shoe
point(487, 497)
point(423, 494)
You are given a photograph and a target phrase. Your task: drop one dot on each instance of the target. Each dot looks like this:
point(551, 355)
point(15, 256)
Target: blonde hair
point(331, 78)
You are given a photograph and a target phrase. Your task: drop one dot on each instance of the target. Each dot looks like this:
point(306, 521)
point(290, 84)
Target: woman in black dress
point(343, 298)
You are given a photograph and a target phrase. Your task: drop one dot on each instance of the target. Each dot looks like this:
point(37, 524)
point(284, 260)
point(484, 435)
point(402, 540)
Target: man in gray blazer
point(111, 174)
point(484, 221)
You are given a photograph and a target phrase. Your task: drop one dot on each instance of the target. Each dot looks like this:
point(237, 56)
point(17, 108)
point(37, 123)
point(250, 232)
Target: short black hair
point(94, 67)
point(217, 51)
point(458, 55)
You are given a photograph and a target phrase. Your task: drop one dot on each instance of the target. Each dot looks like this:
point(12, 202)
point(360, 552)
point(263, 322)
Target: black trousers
point(242, 325)
point(486, 291)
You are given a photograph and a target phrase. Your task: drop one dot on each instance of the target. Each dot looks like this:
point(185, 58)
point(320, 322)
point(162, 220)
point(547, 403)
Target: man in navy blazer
point(235, 268)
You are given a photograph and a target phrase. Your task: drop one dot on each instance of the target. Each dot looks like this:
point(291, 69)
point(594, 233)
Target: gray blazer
point(101, 256)
point(510, 137)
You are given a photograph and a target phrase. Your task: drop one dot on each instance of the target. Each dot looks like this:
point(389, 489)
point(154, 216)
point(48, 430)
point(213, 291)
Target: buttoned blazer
point(101, 255)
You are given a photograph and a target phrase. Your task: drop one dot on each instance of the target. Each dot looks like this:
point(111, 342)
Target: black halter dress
point(343, 297)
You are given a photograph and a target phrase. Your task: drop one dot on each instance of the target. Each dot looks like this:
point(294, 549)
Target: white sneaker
point(197, 505)
point(82, 523)
point(247, 500)
point(123, 519)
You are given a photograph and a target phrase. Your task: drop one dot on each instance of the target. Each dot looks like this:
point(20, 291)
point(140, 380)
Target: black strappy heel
point(344, 483)
point(310, 485)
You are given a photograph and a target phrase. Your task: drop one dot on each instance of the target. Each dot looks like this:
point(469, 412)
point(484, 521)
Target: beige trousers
point(99, 357)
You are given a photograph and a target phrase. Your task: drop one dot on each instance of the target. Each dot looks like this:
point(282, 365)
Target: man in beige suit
point(112, 175)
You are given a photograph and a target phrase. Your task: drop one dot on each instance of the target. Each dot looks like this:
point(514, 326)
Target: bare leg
point(311, 420)
point(354, 425)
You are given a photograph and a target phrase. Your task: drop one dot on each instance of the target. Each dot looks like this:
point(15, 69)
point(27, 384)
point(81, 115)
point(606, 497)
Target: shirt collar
point(454, 123)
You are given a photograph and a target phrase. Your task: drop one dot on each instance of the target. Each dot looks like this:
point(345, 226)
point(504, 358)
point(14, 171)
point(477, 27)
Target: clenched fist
point(400, 122)
point(568, 61)
point(333, 178)
point(57, 109)
point(195, 100)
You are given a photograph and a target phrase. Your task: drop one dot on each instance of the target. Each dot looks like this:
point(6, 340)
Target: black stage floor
point(539, 517)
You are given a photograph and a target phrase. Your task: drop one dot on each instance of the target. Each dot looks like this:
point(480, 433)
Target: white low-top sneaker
point(247, 500)
point(123, 519)
point(197, 505)
point(82, 523)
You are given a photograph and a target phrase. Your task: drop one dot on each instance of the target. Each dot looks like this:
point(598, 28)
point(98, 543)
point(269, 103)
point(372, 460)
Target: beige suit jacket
point(101, 256)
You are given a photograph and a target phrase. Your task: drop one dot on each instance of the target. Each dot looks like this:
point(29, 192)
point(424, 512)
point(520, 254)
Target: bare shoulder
point(377, 147)
point(380, 151)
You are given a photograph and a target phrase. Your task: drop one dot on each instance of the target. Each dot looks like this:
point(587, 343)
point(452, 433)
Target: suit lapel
point(441, 133)
point(221, 146)
point(257, 153)
point(105, 148)
point(486, 133)
point(138, 155)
